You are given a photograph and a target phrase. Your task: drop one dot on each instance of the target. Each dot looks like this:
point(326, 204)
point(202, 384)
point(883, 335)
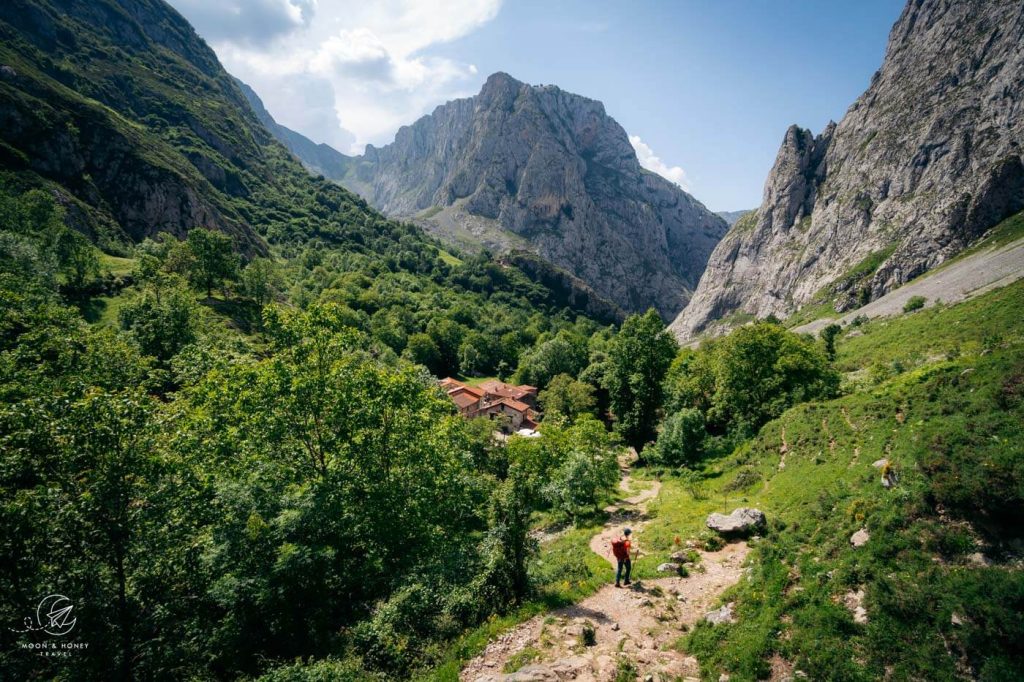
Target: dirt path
point(640, 623)
point(962, 279)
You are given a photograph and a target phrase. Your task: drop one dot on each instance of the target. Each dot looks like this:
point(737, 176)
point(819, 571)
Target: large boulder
point(742, 521)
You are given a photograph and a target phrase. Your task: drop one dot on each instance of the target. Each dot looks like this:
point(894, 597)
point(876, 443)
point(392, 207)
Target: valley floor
point(638, 626)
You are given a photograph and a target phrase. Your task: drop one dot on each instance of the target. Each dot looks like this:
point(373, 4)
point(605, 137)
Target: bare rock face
point(535, 167)
point(740, 522)
point(923, 163)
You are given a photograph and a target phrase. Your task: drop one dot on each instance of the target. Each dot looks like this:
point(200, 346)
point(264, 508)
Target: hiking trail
point(641, 622)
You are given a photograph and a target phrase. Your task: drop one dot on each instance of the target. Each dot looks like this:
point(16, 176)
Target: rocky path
point(966, 278)
point(639, 624)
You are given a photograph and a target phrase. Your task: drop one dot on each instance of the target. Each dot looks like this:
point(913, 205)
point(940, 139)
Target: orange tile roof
point(496, 387)
point(464, 399)
point(466, 389)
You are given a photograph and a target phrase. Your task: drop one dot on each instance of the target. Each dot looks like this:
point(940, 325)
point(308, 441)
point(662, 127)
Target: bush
point(914, 303)
point(681, 441)
point(588, 635)
point(626, 670)
point(750, 377)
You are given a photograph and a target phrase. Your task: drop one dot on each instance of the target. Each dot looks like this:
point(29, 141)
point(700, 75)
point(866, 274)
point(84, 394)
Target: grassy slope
point(948, 413)
point(951, 423)
point(916, 570)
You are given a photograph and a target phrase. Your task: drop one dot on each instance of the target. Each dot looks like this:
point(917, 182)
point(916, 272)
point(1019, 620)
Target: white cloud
point(246, 21)
point(371, 59)
point(649, 160)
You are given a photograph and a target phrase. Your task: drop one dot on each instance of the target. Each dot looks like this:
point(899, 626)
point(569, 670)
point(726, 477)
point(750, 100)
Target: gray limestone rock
point(720, 615)
point(741, 521)
point(923, 163)
point(537, 168)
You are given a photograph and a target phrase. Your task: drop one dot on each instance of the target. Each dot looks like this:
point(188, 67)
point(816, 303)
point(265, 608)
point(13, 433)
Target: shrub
point(626, 670)
point(681, 440)
point(588, 635)
point(914, 303)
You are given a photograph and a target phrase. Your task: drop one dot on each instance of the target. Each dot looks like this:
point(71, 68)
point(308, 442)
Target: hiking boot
point(629, 582)
point(618, 585)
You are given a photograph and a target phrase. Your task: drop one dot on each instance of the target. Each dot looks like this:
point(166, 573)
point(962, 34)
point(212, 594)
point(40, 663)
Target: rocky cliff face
point(534, 167)
point(923, 163)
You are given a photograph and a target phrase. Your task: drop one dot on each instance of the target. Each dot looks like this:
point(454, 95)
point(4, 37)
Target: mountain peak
point(527, 166)
point(853, 213)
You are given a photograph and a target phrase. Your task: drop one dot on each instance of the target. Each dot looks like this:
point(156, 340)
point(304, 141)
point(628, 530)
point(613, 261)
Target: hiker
point(621, 549)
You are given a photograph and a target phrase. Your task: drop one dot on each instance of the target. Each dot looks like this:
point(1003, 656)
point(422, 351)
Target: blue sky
point(709, 87)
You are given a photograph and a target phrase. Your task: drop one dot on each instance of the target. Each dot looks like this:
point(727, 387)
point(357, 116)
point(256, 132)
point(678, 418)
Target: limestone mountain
point(538, 168)
point(923, 163)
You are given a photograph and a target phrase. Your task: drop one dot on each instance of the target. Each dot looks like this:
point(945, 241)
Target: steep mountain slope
point(122, 111)
point(539, 168)
point(923, 163)
point(318, 158)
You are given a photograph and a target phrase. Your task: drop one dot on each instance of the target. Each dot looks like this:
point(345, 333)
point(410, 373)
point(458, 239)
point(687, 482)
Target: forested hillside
point(221, 436)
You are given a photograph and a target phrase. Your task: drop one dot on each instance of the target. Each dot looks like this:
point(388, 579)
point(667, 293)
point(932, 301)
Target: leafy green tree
point(749, 377)
point(638, 358)
point(214, 258)
point(681, 440)
point(79, 260)
point(329, 459)
point(587, 471)
point(162, 319)
point(828, 337)
point(260, 280)
point(507, 547)
point(567, 397)
point(422, 350)
point(447, 335)
point(564, 353)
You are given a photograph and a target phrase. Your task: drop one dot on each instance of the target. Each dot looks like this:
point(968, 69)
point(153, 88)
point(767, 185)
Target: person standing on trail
point(621, 549)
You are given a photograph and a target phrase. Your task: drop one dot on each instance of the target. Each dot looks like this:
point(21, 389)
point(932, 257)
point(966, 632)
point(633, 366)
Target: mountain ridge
point(924, 161)
point(521, 167)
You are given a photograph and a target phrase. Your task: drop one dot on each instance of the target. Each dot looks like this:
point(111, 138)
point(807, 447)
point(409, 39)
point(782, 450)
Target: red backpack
point(620, 550)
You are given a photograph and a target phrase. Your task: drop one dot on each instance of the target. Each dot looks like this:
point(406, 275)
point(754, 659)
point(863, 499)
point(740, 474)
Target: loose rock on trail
point(641, 622)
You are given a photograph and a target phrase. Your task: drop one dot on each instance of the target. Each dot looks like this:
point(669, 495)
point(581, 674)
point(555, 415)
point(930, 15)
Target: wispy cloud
point(368, 62)
point(649, 160)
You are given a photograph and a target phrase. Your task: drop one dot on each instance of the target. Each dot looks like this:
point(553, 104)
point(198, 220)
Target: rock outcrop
point(538, 168)
point(923, 163)
point(742, 521)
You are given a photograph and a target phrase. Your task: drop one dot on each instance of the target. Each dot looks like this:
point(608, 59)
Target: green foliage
point(161, 320)
point(565, 353)
point(588, 635)
point(625, 669)
point(752, 375)
point(261, 281)
point(567, 397)
point(638, 358)
point(914, 303)
point(681, 440)
point(213, 259)
point(828, 338)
